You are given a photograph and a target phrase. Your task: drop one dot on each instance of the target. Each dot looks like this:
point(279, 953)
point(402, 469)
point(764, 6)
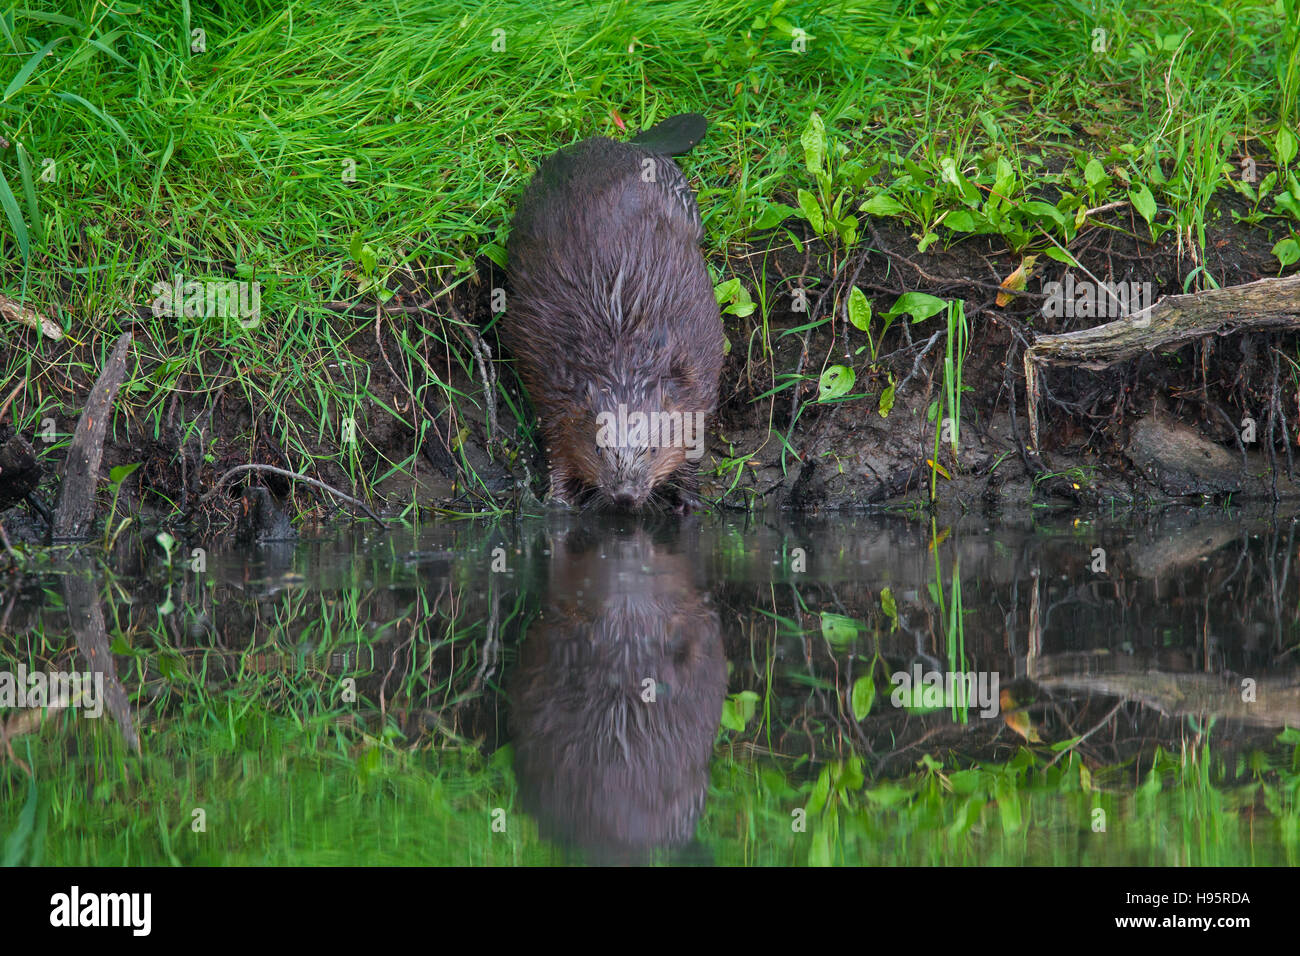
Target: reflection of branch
point(86, 619)
point(1104, 721)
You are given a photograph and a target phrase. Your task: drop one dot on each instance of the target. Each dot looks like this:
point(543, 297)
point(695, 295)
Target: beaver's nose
point(624, 501)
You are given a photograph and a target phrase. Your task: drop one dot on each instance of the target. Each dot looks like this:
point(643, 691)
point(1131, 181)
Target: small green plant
point(115, 478)
point(836, 181)
point(364, 255)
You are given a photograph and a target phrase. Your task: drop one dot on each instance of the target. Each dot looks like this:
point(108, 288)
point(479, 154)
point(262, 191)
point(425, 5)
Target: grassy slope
point(230, 160)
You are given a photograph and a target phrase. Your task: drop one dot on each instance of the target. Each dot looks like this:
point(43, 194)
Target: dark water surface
point(722, 690)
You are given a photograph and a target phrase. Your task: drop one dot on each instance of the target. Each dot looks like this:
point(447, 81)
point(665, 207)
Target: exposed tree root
point(1175, 319)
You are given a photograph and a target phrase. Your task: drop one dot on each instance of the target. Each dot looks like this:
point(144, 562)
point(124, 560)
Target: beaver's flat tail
point(675, 136)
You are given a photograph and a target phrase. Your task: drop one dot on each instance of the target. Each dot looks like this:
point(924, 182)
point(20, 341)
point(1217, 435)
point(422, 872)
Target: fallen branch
point(283, 473)
point(75, 507)
point(1175, 319)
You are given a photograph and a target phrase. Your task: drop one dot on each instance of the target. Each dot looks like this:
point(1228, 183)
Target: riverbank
point(312, 274)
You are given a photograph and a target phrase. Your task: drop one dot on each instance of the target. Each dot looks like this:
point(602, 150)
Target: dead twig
point(285, 473)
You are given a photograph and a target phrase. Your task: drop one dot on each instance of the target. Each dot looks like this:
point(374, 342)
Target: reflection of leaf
point(838, 630)
point(889, 607)
point(819, 854)
point(820, 791)
point(1016, 719)
point(738, 709)
point(863, 696)
point(27, 833)
point(1008, 805)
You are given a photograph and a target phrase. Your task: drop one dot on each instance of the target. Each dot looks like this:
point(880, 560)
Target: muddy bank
point(1213, 418)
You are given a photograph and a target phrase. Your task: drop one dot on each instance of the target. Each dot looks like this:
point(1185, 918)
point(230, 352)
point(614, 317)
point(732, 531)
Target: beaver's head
point(623, 447)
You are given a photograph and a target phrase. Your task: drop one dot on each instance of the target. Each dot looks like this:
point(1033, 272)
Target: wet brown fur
point(611, 303)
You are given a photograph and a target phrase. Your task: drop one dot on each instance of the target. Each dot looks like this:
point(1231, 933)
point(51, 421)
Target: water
point(724, 690)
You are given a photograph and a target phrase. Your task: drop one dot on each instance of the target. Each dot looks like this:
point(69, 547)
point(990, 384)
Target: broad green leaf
point(726, 291)
point(1287, 251)
point(882, 205)
point(1284, 144)
point(1143, 202)
point(1060, 255)
point(919, 305)
point(836, 381)
point(1041, 209)
point(773, 215)
point(959, 220)
point(814, 144)
point(1094, 173)
point(812, 211)
point(859, 309)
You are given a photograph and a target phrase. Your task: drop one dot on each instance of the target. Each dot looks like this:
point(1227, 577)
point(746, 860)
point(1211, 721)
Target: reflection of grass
point(952, 613)
point(276, 789)
point(1185, 813)
point(291, 778)
point(298, 789)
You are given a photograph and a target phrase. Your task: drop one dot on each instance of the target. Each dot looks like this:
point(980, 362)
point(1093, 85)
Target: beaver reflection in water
point(616, 700)
point(612, 319)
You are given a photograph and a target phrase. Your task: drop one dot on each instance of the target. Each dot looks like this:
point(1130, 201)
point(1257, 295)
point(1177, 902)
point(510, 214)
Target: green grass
point(229, 154)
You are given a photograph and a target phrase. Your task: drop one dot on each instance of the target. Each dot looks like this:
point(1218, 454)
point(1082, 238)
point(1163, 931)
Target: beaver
point(612, 319)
